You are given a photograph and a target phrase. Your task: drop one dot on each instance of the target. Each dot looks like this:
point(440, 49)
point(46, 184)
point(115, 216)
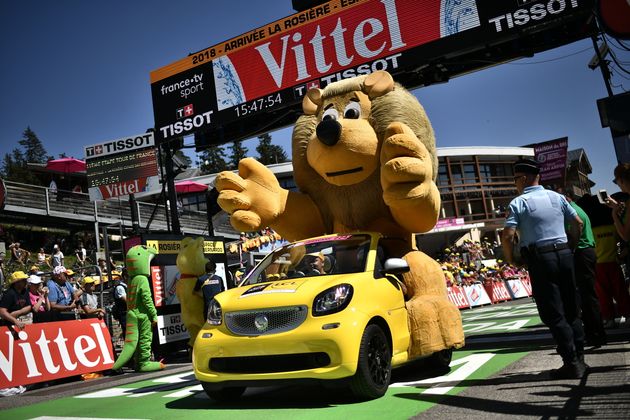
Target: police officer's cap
point(528, 166)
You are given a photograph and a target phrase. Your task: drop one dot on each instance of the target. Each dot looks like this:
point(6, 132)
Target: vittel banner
point(273, 66)
point(53, 350)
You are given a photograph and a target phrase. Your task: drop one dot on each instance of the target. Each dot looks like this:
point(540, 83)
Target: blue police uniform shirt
point(540, 216)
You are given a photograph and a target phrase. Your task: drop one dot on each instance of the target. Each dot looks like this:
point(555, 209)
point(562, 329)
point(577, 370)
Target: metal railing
point(37, 200)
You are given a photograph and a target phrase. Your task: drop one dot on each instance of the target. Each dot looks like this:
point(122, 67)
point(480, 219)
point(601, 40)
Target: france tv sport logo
point(185, 111)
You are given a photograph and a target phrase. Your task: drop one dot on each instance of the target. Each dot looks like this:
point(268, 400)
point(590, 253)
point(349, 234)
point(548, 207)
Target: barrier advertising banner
point(272, 67)
point(171, 328)
point(122, 167)
point(477, 295)
point(457, 296)
point(499, 292)
point(527, 285)
point(53, 350)
point(517, 290)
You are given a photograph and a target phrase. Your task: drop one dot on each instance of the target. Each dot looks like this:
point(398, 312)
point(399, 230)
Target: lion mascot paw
point(364, 158)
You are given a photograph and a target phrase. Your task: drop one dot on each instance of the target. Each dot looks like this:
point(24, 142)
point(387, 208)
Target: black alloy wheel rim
point(378, 361)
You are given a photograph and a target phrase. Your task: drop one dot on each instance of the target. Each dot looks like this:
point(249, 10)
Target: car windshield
point(340, 254)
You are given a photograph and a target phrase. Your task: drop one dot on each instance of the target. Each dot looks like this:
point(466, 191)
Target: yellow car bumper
point(321, 348)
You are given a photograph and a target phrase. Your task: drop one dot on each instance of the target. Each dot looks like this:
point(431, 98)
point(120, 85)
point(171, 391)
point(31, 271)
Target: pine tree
point(15, 165)
point(184, 158)
point(213, 160)
point(238, 152)
point(8, 169)
point(269, 153)
point(34, 151)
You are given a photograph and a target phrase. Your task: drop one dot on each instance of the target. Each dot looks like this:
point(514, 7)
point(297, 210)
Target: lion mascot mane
point(363, 159)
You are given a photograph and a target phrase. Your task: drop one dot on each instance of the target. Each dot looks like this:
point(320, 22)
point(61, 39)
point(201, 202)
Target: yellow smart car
point(324, 309)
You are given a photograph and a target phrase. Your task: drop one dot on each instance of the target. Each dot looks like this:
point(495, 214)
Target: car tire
point(441, 359)
point(227, 394)
point(374, 368)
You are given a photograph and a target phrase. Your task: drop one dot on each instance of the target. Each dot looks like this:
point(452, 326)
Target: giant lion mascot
point(363, 159)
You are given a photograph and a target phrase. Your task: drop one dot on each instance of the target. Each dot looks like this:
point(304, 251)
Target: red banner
point(457, 295)
point(499, 292)
point(53, 350)
point(158, 286)
point(527, 285)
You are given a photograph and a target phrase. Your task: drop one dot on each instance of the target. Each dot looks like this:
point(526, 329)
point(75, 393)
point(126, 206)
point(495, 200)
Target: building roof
point(484, 151)
point(577, 156)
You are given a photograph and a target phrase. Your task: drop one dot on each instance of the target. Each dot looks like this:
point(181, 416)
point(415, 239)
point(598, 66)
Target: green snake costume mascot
point(141, 313)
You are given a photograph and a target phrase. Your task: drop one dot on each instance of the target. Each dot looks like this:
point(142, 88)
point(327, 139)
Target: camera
point(602, 196)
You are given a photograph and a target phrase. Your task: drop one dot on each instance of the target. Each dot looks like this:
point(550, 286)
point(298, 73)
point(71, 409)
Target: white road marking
point(442, 384)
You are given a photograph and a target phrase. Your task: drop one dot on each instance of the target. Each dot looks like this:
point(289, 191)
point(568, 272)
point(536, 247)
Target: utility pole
point(603, 67)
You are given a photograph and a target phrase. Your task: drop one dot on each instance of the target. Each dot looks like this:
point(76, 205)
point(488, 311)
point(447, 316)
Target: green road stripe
point(411, 393)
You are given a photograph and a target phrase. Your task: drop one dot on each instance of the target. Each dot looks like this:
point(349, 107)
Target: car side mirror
point(395, 266)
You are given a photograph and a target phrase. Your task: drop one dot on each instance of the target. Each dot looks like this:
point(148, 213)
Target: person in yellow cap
point(15, 305)
point(312, 264)
point(89, 300)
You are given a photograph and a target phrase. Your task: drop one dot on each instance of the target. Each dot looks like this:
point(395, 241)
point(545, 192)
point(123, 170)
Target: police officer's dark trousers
point(553, 286)
point(585, 260)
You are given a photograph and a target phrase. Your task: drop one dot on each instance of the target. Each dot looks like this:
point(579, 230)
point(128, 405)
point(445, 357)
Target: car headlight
point(214, 313)
point(332, 300)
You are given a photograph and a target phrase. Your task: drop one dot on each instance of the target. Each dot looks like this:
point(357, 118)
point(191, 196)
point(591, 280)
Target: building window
point(194, 202)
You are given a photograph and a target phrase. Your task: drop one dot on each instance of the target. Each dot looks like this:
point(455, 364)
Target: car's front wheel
point(221, 394)
point(374, 368)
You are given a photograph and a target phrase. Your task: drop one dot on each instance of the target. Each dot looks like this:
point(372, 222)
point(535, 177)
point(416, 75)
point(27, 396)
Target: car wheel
point(374, 368)
point(441, 359)
point(220, 394)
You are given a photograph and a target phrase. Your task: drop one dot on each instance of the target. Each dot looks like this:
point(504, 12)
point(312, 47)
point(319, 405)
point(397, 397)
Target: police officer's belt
point(551, 247)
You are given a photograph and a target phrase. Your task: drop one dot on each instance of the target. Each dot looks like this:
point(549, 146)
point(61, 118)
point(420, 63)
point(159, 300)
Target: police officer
point(540, 216)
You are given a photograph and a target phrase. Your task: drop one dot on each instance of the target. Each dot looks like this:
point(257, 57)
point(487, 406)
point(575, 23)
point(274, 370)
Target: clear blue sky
point(77, 72)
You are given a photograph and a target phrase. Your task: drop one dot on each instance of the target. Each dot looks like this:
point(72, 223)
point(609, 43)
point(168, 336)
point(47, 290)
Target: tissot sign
point(122, 167)
point(272, 67)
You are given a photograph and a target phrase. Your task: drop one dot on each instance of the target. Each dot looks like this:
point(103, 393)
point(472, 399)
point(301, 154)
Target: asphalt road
point(501, 372)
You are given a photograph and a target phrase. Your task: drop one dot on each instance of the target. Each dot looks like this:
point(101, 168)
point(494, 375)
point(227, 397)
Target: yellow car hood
point(300, 291)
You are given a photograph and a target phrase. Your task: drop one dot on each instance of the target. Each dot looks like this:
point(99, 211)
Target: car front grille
point(269, 364)
point(265, 321)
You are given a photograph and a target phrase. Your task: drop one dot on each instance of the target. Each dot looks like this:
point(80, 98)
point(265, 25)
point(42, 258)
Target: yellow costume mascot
point(191, 264)
point(363, 159)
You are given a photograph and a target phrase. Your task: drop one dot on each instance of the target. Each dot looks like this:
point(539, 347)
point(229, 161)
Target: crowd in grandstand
point(475, 262)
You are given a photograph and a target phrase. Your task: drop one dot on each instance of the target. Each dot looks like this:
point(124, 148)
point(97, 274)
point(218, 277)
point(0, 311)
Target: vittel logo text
point(371, 29)
point(52, 352)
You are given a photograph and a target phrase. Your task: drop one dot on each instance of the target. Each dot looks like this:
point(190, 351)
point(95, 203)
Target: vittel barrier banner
point(477, 295)
point(53, 350)
point(457, 296)
point(517, 289)
point(527, 285)
point(499, 292)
